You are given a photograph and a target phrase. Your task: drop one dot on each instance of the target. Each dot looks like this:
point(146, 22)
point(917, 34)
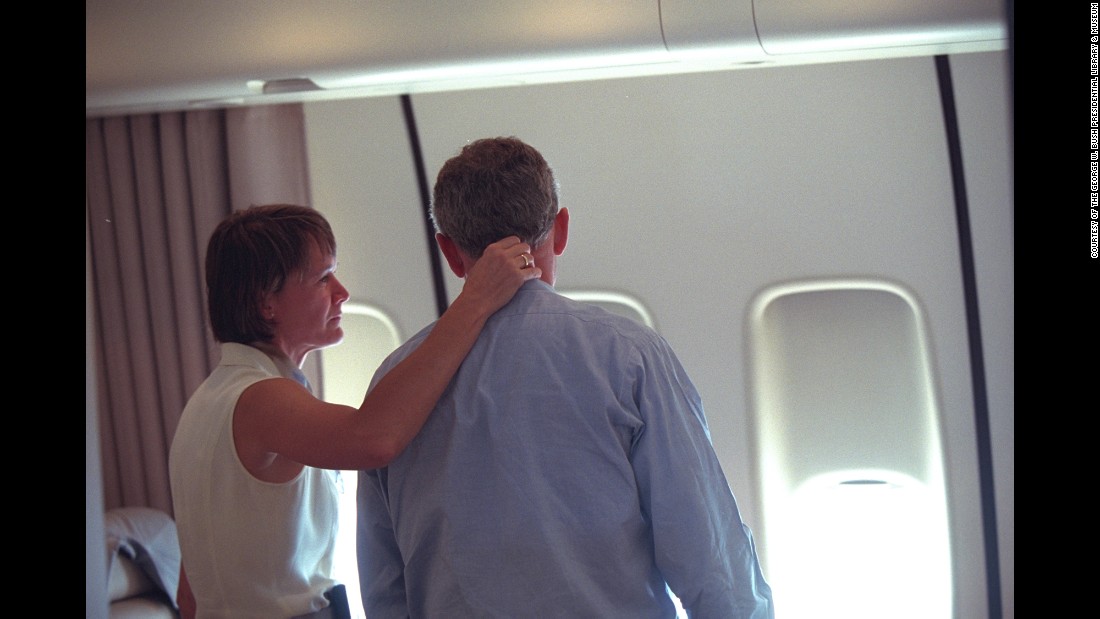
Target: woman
point(252, 465)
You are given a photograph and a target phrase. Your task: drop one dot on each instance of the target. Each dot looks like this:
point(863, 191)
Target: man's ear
point(561, 231)
point(451, 253)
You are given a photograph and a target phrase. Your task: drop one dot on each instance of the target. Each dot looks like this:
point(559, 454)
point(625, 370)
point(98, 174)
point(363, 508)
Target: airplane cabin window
point(847, 435)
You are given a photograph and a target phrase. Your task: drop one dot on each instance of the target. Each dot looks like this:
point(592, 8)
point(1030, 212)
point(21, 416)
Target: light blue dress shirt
point(567, 471)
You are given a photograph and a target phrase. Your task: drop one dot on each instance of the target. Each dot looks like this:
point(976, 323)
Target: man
point(568, 470)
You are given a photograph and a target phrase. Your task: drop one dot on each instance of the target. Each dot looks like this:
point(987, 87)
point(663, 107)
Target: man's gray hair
point(493, 188)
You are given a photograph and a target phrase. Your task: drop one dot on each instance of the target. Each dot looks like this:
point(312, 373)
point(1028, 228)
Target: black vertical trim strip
point(425, 205)
point(974, 337)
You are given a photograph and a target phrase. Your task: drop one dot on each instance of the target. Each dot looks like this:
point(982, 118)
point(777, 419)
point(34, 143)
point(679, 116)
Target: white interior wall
point(710, 187)
point(362, 178)
point(983, 98)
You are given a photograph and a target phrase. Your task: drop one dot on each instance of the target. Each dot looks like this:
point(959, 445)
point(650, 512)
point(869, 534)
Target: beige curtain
point(157, 184)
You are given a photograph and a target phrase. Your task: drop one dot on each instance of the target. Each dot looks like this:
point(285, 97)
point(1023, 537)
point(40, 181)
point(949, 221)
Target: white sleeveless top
point(250, 548)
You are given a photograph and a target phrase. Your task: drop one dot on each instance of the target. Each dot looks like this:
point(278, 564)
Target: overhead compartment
point(186, 52)
point(920, 28)
point(804, 31)
point(720, 31)
point(173, 54)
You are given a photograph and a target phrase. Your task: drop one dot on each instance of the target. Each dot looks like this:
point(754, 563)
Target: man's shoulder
point(408, 345)
point(596, 323)
point(598, 314)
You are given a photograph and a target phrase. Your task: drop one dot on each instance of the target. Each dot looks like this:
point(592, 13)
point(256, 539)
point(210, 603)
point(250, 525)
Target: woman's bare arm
point(278, 420)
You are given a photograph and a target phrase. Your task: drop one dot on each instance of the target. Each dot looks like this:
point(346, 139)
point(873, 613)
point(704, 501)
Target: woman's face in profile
point(307, 309)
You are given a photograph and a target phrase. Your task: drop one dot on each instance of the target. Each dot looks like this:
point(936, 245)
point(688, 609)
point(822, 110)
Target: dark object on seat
point(338, 601)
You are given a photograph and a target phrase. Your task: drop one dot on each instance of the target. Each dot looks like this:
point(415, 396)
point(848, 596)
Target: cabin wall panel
point(983, 98)
point(708, 187)
point(693, 193)
point(364, 181)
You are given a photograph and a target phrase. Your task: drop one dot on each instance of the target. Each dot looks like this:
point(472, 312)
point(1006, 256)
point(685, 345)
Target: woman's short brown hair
point(250, 255)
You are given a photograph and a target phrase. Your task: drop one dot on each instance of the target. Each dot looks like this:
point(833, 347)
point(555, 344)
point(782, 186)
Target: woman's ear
point(267, 307)
point(451, 253)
